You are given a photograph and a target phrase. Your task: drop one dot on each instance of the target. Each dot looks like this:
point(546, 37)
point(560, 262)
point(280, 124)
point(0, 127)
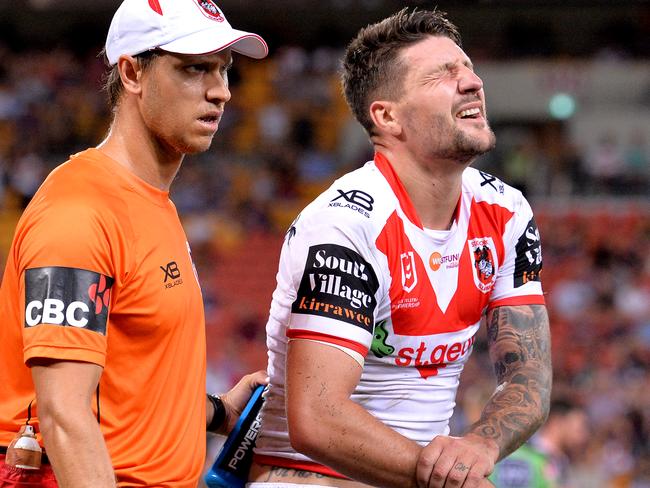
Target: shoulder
point(78, 202)
point(82, 178)
point(488, 188)
point(359, 201)
point(84, 187)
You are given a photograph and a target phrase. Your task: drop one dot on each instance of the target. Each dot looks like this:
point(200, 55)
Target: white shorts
point(257, 484)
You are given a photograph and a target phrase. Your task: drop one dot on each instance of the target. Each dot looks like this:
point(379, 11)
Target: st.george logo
point(210, 10)
point(484, 262)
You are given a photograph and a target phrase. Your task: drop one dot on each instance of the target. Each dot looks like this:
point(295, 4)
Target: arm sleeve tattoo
point(520, 350)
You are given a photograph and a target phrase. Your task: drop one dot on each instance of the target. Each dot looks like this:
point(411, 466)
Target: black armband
point(219, 415)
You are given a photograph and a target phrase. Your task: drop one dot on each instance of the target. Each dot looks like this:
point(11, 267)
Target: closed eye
point(198, 68)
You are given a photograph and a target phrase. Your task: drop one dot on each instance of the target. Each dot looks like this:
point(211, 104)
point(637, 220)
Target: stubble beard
point(462, 147)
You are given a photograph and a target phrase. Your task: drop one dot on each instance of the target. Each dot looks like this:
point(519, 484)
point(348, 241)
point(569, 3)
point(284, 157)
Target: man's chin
point(482, 143)
point(476, 146)
point(198, 146)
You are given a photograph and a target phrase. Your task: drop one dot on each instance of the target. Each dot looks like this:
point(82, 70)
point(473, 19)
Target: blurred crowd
point(286, 132)
point(285, 136)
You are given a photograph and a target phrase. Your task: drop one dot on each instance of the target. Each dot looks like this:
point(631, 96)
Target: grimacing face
point(183, 99)
point(442, 106)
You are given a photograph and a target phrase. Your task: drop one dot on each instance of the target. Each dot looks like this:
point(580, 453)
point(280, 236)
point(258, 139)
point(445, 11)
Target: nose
point(469, 82)
point(218, 90)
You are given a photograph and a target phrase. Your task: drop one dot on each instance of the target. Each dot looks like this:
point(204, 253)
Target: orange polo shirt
point(100, 271)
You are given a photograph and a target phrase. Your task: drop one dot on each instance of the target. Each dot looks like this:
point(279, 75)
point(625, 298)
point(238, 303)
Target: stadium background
point(568, 94)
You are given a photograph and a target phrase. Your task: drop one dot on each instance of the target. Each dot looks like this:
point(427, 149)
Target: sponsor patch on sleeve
point(337, 283)
point(528, 259)
point(67, 297)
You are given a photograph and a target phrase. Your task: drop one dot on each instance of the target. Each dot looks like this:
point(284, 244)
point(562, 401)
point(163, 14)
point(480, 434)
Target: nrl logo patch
point(484, 256)
point(409, 275)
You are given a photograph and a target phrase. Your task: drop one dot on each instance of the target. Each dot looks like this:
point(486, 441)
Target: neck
point(134, 146)
point(433, 186)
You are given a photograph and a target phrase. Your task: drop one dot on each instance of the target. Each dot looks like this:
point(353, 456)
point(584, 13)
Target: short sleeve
point(334, 275)
point(66, 273)
point(518, 281)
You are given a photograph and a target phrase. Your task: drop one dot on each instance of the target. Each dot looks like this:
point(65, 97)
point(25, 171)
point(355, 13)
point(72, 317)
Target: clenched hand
point(454, 462)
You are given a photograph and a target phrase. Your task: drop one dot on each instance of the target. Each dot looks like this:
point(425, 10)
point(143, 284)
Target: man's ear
point(383, 115)
point(130, 74)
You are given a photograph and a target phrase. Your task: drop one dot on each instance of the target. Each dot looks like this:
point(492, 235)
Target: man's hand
point(235, 400)
point(450, 462)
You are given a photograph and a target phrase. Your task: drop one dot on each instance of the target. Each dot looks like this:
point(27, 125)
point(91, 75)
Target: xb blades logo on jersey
point(492, 181)
point(357, 200)
point(67, 297)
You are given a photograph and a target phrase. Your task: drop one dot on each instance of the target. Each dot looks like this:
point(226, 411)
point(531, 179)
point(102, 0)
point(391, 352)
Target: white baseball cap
point(177, 26)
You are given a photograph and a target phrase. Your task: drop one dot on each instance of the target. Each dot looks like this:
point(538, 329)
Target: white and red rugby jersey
point(358, 271)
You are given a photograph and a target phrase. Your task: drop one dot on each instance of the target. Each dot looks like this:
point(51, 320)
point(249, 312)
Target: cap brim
point(208, 41)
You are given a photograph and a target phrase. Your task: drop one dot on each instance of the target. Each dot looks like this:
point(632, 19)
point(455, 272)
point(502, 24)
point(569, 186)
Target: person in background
point(542, 462)
point(385, 277)
point(102, 341)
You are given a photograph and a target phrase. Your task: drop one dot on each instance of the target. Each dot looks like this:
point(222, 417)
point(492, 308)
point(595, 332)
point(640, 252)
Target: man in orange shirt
point(102, 343)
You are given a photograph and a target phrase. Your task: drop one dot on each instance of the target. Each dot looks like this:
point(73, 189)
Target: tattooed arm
point(519, 345)
point(520, 349)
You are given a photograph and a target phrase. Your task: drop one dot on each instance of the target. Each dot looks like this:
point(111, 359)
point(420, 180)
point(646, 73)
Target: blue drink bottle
point(230, 469)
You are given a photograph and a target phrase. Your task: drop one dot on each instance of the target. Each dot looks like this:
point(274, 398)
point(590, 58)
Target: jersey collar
point(386, 169)
point(388, 172)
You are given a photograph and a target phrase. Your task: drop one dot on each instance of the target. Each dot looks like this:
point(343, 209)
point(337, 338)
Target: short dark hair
point(371, 67)
point(112, 83)
point(563, 405)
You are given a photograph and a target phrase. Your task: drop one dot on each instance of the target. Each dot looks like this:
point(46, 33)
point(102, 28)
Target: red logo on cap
point(155, 6)
point(210, 9)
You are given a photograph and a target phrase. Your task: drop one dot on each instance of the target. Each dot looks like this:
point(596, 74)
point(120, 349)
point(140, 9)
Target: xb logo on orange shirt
point(171, 271)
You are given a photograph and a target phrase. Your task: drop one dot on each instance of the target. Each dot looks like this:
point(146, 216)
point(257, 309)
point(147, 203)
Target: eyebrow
point(206, 59)
point(452, 64)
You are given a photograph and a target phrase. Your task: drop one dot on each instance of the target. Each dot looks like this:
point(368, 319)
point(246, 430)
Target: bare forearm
point(326, 425)
point(347, 438)
point(77, 451)
point(519, 343)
